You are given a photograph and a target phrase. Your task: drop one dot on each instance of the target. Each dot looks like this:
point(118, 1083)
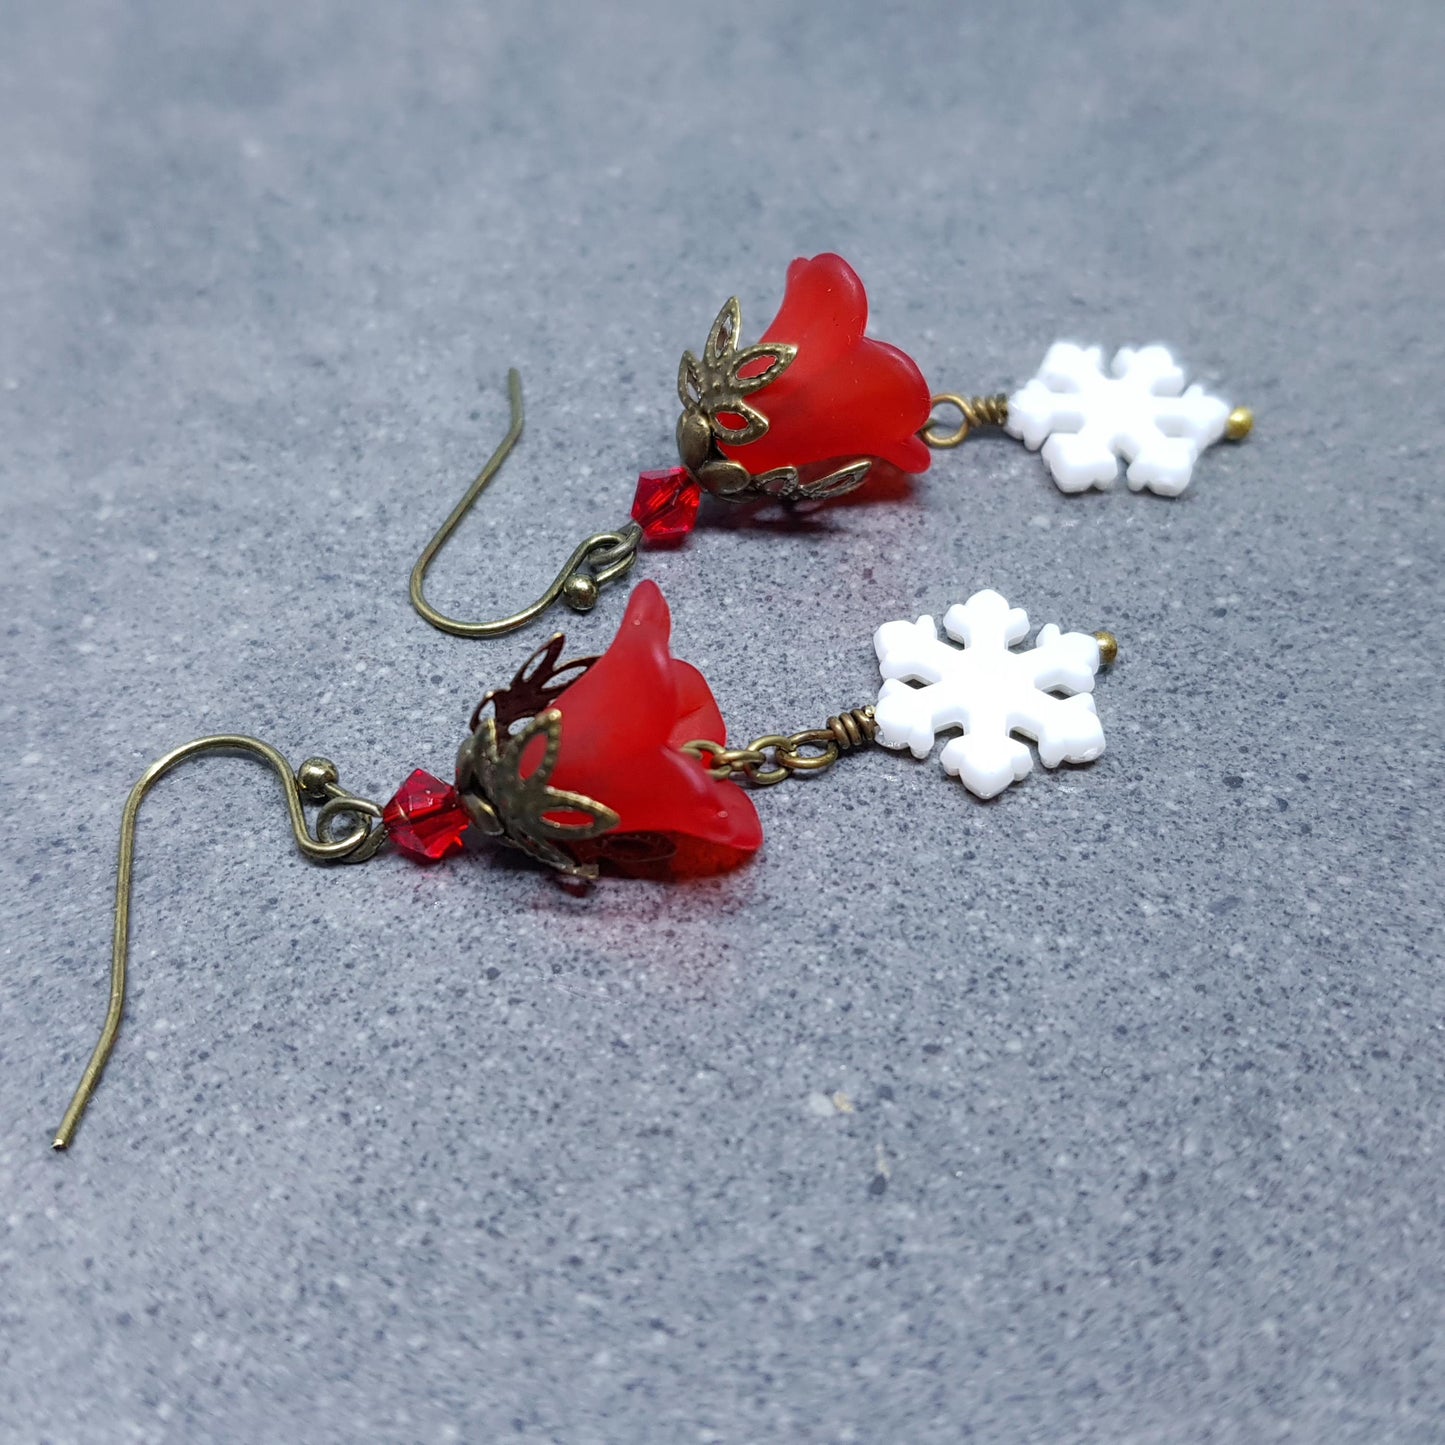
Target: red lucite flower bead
point(426, 819)
point(666, 504)
point(623, 726)
point(844, 396)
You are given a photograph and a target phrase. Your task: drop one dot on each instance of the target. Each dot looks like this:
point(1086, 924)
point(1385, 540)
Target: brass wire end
point(1240, 424)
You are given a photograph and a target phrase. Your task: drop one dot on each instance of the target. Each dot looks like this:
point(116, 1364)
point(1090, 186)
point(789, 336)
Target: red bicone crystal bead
point(426, 819)
point(666, 504)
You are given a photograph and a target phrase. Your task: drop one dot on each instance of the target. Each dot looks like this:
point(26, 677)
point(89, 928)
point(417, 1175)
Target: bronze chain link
point(772, 758)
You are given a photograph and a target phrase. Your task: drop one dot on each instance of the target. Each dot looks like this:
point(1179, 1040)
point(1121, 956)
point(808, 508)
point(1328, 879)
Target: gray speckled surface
point(1145, 1059)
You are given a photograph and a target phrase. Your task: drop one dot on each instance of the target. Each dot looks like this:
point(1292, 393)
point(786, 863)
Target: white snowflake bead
point(989, 691)
point(1086, 420)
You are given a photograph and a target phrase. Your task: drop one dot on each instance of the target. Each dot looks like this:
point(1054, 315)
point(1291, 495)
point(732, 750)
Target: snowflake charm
point(1141, 413)
point(989, 691)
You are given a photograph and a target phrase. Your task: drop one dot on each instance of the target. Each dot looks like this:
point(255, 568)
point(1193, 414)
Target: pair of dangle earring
point(623, 759)
point(807, 412)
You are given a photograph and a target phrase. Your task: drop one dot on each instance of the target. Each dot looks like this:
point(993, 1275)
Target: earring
point(623, 759)
point(804, 415)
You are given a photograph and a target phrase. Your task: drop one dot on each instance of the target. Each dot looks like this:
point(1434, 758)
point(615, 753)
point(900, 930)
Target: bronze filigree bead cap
point(506, 787)
point(713, 390)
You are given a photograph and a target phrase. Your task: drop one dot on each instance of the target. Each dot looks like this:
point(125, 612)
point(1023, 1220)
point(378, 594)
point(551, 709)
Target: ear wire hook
point(315, 781)
point(593, 564)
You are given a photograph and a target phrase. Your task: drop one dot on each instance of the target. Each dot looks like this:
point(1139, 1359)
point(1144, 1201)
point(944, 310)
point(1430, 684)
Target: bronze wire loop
point(314, 781)
point(593, 563)
point(976, 411)
point(984, 411)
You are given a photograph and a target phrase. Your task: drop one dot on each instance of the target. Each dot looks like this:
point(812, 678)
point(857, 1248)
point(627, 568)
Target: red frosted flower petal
point(844, 396)
point(623, 723)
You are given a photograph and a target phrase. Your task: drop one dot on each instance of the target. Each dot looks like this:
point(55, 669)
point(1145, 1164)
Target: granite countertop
point(1109, 1110)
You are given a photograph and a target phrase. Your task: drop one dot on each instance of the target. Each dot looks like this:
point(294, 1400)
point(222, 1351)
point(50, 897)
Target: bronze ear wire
point(315, 782)
point(594, 563)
